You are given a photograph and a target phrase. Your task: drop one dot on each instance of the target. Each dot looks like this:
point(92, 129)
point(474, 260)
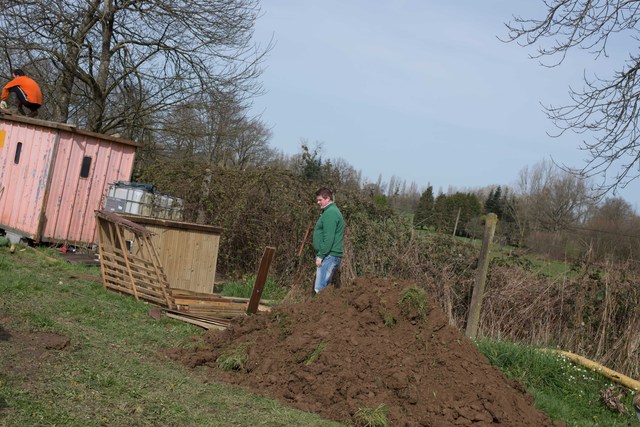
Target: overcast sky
point(419, 89)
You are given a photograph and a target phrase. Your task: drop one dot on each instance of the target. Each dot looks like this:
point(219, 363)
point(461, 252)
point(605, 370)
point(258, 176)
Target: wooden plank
point(211, 319)
point(139, 262)
point(212, 312)
point(155, 258)
point(188, 294)
point(120, 237)
point(139, 276)
point(100, 247)
point(261, 279)
point(193, 309)
point(212, 303)
point(118, 280)
point(202, 324)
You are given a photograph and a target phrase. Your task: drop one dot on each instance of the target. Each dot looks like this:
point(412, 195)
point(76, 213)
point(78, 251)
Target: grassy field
point(561, 389)
point(113, 372)
point(548, 267)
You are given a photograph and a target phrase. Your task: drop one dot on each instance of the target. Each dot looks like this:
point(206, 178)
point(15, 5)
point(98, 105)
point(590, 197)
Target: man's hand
point(3, 105)
point(318, 261)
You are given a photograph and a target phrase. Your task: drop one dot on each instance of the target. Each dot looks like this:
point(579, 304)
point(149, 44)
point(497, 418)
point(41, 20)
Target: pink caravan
point(53, 177)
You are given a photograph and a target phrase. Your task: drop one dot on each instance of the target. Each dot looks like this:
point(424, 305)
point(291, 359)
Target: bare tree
point(551, 199)
point(250, 147)
point(607, 108)
point(612, 230)
point(217, 127)
point(347, 175)
point(104, 62)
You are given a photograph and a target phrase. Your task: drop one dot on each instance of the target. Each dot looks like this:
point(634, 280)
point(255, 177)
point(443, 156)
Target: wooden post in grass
point(455, 227)
point(481, 277)
point(261, 279)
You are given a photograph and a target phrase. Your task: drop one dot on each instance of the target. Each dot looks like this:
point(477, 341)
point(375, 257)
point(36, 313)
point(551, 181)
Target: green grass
point(562, 390)
point(113, 372)
point(243, 288)
point(551, 268)
point(372, 417)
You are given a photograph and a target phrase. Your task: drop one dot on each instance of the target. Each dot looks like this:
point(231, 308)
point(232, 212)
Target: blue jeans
point(325, 272)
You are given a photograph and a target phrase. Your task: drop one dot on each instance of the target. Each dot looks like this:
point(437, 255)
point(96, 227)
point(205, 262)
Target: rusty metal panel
point(24, 175)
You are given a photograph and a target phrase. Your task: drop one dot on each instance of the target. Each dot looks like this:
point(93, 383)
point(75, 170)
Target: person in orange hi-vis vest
point(27, 91)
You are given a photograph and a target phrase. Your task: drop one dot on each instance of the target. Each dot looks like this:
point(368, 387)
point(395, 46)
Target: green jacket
point(329, 232)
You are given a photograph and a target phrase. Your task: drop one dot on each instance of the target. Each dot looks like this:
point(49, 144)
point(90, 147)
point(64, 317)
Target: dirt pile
point(356, 347)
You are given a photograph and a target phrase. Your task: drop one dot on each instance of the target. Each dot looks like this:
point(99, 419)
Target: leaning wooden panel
point(140, 275)
point(130, 263)
point(188, 252)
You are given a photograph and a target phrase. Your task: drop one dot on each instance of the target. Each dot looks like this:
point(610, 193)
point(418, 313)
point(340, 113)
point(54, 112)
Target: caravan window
point(16, 159)
point(86, 166)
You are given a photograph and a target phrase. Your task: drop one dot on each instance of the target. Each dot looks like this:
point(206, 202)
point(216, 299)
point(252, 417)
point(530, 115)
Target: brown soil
point(31, 351)
point(425, 372)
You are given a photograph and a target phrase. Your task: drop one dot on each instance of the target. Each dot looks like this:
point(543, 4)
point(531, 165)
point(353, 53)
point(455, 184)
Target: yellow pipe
point(624, 380)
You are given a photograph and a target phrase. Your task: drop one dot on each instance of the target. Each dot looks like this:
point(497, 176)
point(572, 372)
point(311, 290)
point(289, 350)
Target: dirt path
point(423, 371)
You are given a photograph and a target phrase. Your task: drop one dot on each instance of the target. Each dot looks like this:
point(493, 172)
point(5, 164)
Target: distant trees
point(550, 211)
point(606, 108)
point(457, 208)
point(402, 197)
point(551, 199)
point(612, 231)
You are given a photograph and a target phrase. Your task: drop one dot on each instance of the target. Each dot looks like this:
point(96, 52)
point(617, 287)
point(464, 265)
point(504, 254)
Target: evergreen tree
point(494, 202)
point(488, 204)
point(424, 210)
point(447, 208)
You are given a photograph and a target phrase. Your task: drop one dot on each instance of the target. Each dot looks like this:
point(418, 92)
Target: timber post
point(473, 319)
point(261, 279)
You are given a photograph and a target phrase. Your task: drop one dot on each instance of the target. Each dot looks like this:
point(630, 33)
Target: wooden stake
point(473, 319)
point(304, 241)
point(261, 279)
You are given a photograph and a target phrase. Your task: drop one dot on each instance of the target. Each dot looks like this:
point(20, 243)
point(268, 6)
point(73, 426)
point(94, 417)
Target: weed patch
point(234, 359)
point(372, 417)
point(313, 356)
point(413, 303)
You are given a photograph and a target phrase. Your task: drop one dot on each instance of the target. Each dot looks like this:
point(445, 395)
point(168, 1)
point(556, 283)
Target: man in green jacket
point(328, 235)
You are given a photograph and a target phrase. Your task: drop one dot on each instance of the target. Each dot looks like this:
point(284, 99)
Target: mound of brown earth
point(353, 348)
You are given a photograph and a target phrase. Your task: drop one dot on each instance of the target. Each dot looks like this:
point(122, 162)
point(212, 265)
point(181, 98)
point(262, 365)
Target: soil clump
point(359, 347)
